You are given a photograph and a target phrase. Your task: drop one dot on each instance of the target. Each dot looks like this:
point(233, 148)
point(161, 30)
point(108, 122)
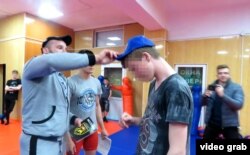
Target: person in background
point(106, 94)
point(170, 105)
point(223, 99)
point(85, 96)
point(11, 95)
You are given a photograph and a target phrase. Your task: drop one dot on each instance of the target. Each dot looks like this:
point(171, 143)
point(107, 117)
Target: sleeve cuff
point(92, 60)
point(72, 120)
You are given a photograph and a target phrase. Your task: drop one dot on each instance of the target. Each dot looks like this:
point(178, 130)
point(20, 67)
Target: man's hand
point(71, 148)
point(219, 90)
point(126, 120)
point(105, 56)
point(70, 145)
point(104, 133)
point(208, 93)
point(78, 122)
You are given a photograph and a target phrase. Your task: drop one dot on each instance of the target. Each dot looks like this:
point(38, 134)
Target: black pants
point(104, 104)
point(34, 139)
point(9, 104)
point(212, 132)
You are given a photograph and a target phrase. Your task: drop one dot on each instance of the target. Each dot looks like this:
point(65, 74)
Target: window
point(109, 38)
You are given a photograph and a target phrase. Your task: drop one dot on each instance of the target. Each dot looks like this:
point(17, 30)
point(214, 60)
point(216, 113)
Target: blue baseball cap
point(135, 43)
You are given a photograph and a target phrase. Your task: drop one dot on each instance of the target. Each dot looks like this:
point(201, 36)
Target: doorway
point(114, 72)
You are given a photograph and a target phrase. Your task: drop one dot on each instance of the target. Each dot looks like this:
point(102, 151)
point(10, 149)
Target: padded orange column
point(127, 95)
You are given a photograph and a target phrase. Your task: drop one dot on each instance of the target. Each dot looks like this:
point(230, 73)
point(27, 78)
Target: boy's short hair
point(222, 66)
point(138, 53)
point(105, 78)
point(14, 71)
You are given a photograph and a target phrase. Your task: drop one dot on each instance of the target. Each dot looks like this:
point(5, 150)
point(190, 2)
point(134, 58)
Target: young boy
point(170, 105)
point(104, 101)
point(85, 93)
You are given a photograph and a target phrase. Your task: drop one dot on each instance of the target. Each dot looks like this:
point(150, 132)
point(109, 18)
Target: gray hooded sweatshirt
point(45, 110)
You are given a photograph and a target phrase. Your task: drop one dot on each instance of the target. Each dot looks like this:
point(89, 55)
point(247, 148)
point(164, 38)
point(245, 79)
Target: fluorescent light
point(28, 20)
point(114, 38)
point(245, 56)
point(48, 11)
point(222, 52)
point(110, 44)
point(227, 37)
point(247, 49)
point(87, 38)
point(159, 46)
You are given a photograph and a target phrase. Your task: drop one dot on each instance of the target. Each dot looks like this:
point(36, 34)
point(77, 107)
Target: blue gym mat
point(123, 142)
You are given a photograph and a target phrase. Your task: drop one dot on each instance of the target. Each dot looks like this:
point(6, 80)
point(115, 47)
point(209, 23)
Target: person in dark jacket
point(224, 99)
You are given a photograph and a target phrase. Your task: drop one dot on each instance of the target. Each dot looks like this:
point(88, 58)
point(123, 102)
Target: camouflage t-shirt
point(170, 102)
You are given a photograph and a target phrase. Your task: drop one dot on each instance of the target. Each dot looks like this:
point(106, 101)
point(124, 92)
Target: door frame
point(4, 81)
point(116, 106)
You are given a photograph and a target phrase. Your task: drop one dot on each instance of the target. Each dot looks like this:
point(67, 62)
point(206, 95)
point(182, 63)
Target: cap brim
point(122, 56)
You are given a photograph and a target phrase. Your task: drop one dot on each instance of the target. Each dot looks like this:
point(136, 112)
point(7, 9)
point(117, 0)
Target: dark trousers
point(104, 104)
point(212, 132)
point(9, 105)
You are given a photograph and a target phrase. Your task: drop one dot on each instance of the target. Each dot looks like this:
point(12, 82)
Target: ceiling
point(183, 19)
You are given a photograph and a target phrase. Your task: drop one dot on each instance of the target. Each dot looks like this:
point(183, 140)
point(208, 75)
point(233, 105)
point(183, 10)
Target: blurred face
point(106, 82)
point(55, 46)
point(141, 68)
point(14, 76)
point(223, 75)
point(87, 70)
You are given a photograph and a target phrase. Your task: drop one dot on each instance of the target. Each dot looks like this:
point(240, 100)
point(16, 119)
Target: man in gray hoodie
point(45, 112)
point(224, 99)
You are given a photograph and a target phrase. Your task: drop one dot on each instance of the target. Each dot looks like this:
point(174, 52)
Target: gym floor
point(123, 140)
